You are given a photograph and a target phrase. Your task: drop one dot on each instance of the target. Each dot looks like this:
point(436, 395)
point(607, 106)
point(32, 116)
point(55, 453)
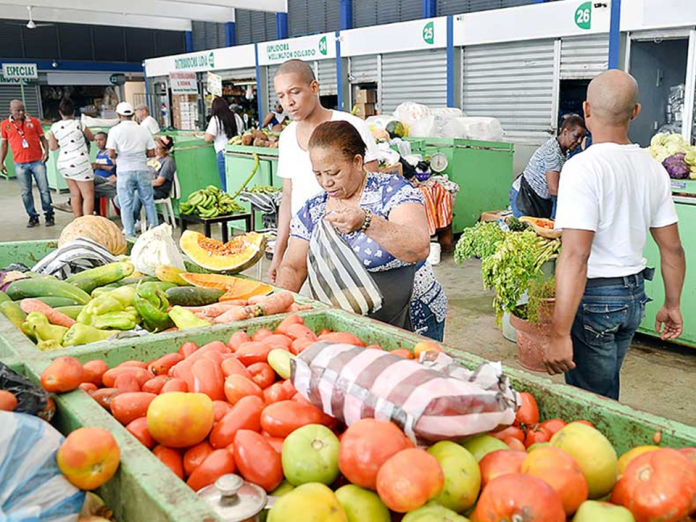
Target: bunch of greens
point(540, 291)
point(516, 225)
point(516, 262)
point(479, 241)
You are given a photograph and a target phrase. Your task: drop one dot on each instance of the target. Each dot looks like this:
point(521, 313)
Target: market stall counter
point(196, 164)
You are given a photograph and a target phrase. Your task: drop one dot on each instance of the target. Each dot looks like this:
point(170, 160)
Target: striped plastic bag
point(337, 276)
point(351, 383)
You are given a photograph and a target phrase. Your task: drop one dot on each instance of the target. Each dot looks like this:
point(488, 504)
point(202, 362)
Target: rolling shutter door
point(327, 77)
point(584, 57)
point(13, 91)
point(363, 69)
point(270, 93)
point(418, 76)
point(513, 82)
point(237, 74)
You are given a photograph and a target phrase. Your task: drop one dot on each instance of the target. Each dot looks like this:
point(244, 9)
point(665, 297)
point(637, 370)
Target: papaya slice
point(235, 256)
point(234, 287)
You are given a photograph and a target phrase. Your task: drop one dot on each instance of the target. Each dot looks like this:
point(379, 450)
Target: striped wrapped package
point(433, 401)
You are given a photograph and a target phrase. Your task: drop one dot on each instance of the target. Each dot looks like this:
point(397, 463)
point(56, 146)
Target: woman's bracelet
point(368, 220)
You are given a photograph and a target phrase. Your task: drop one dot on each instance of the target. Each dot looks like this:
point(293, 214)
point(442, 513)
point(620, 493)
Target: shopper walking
point(610, 197)
point(73, 159)
point(30, 153)
point(131, 145)
point(223, 126)
point(142, 114)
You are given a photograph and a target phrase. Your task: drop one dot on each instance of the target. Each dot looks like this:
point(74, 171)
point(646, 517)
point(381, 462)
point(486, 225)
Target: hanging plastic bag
point(156, 247)
point(337, 276)
point(33, 488)
point(31, 399)
point(351, 383)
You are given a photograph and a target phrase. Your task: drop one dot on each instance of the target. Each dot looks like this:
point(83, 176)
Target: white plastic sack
point(88, 121)
point(156, 247)
point(32, 487)
point(482, 129)
point(427, 127)
point(453, 128)
point(448, 112)
point(379, 122)
point(410, 112)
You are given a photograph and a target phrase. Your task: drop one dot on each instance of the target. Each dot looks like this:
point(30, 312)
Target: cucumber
point(162, 285)
point(13, 312)
point(46, 288)
point(70, 311)
point(192, 296)
point(55, 302)
point(135, 280)
point(101, 276)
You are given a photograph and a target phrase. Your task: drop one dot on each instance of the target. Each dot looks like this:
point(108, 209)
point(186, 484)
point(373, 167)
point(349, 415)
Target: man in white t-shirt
point(610, 197)
point(132, 144)
point(142, 114)
point(298, 93)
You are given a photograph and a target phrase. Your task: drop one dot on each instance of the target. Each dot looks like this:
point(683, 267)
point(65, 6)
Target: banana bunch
point(210, 202)
point(237, 140)
point(263, 189)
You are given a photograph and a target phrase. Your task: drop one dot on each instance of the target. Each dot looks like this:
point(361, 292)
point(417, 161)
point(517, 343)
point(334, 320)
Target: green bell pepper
point(111, 302)
point(47, 346)
point(85, 334)
point(42, 330)
point(152, 304)
point(123, 320)
point(184, 319)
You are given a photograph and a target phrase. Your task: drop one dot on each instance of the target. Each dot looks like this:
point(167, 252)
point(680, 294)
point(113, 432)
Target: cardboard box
point(365, 96)
point(363, 110)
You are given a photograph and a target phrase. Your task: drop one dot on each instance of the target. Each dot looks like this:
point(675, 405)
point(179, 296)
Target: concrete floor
point(657, 377)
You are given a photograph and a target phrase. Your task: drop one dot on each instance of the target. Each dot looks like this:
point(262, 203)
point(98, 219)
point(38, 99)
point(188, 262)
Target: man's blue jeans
point(221, 170)
point(37, 170)
point(127, 184)
point(607, 319)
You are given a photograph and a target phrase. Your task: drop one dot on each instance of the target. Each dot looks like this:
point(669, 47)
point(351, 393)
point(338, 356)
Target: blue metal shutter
point(298, 16)
point(418, 76)
point(243, 26)
point(452, 7)
point(584, 57)
point(364, 13)
point(513, 82)
point(198, 35)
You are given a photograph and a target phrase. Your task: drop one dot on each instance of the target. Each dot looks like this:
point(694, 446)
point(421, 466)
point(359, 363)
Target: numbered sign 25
point(583, 16)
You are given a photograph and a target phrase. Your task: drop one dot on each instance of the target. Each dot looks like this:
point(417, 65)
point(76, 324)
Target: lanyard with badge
point(25, 143)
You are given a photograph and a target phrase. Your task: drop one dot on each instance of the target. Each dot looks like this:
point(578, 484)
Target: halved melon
point(242, 252)
point(234, 287)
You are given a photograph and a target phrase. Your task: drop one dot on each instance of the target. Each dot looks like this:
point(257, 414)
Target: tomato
point(560, 471)
point(180, 420)
point(232, 366)
point(373, 347)
point(245, 415)
point(516, 496)
point(188, 348)
point(195, 455)
point(138, 428)
point(690, 454)
point(162, 365)
point(141, 374)
point(133, 364)
point(276, 443)
point(365, 446)
point(237, 339)
point(218, 463)
point(277, 392)
point(89, 457)
point(127, 382)
point(237, 387)
point(324, 332)
point(658, 486)
point(215, 357)
point(282, 418)
point(8, 401)
point(253, 352)
point(85, 386)
point(536, 434)
point(422, 347)
point(257, 461)
point(406, 354)
point(553, 425)
point(127, 407)
point(220, 408)
point(155, 384)
point(104, 396)
point(514, 444)
point(342, 338)
point(183, 370)
point(511, 431)
point(64, 374)
point(585, 422)
point(208, 379)
point(300, 331)
point(409, 479)
point(215, 346)
point(288, 322)
point(93, 371)
point(174, 385)
point(170, 458)
point(528, 414)
point(278, 341)
point(261, 334)
point(499, 463)
point(324, 419)
point(262, 374)
point(300, 345)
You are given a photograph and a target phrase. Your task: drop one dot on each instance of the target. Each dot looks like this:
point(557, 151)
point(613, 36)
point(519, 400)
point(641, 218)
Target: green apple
point(593, 511)
point(362, 505)
point(310, 454)
point(482, 445)
point(433, 512)
point(462, 476)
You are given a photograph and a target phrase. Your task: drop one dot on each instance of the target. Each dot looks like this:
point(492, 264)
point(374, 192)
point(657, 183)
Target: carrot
point(295, 307)
point(53, 316)
point(257, 299)
point(238, 313)
point(236, 302)
point(211, 311)
point(276, 303)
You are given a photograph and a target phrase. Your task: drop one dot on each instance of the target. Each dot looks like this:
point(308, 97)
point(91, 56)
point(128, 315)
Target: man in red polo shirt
point(30, 152)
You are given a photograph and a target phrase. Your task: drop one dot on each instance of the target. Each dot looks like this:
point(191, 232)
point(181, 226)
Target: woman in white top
point(224, 125)
point(73, 160)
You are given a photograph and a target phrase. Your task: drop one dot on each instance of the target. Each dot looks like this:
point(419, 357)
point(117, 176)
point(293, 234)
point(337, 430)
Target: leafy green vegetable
point(516, 225)
point(540, 291)
point(479, 241)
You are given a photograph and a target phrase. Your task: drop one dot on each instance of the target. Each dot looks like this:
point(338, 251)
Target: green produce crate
point(26, 252)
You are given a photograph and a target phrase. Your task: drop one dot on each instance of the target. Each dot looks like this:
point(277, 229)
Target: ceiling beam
point(42, 14)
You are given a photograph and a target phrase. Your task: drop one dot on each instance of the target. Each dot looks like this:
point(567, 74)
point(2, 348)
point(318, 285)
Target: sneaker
point(33, 222)
point(63, 207)
point(50, 221)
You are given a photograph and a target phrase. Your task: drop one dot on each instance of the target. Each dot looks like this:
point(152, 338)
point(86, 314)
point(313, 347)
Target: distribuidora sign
point(307, 48)
point(195, 62)
point(20, 71)
point(228, 58)
point(183, 83)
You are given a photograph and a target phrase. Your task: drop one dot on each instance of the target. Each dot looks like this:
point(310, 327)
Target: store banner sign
point(214, 84)
point(20, 71)
point(405, 36)
point(308, 48)
point(196, 62)
point(3, 79)
point(183, 83)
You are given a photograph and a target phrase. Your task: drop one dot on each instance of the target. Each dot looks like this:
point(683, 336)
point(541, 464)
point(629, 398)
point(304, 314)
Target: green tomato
point(591, 511)
point(310, 454)
point(482, 445)
point(462, 476)
point(362, 505)
point(433, 512)
point(284, 488)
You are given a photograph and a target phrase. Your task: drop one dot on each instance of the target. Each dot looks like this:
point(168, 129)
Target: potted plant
point(532, 322)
